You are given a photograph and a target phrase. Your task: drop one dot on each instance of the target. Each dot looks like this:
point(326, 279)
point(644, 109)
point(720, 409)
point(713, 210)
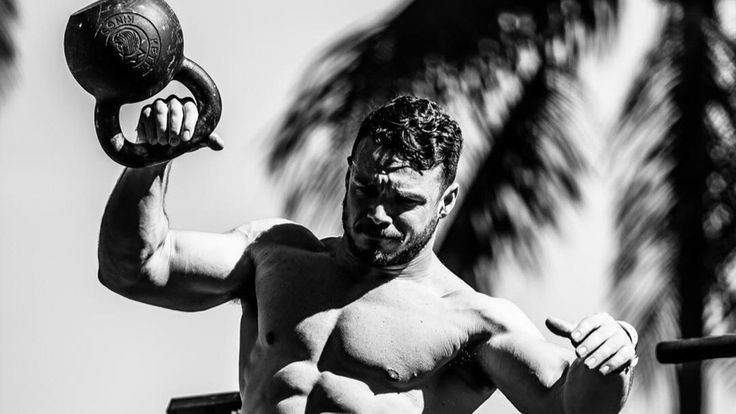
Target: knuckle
point(176, 116)
point(590, 340)
point(601, 353)
point(175, 104)
point(615, 362)
point(604, 347)
point(596, 341)
point(190, 106)
point(597, 335)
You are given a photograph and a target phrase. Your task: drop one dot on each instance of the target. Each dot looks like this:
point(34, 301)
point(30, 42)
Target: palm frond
point(643, 280)
point(8, 14)
point(678, 201)
point(530, 169)
point(480, 60)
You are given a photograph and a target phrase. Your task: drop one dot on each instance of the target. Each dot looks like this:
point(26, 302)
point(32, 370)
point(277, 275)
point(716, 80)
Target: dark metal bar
point(223, 403)
point(696, 349)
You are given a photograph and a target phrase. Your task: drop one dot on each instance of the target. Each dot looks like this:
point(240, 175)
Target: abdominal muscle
point(300, 387)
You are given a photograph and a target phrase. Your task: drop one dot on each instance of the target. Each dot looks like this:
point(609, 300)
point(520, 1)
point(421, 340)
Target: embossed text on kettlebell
point(134, 38)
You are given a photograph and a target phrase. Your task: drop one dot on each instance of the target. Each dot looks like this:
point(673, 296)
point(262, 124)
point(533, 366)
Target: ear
point(448, 200)
point(347, 172)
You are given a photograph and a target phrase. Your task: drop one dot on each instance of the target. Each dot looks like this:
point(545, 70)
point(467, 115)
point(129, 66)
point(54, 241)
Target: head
point(400, 180)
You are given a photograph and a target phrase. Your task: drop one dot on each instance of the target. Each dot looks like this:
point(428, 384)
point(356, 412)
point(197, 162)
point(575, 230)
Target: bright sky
point(67, 344)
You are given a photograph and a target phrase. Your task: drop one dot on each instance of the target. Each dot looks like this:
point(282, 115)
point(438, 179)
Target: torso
point(322, 338)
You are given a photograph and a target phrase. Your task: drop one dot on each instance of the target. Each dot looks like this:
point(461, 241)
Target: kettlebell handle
point(122, 151)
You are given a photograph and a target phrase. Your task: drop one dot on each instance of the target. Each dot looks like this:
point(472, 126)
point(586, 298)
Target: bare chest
point(396, 340)
point(390, 335)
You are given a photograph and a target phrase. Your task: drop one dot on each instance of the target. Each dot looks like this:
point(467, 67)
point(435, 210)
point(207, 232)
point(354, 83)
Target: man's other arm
point(540, 377)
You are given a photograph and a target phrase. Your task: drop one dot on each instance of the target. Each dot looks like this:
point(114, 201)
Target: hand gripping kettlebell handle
point(122, 151)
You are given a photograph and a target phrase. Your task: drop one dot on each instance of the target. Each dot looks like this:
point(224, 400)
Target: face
point(390, 211)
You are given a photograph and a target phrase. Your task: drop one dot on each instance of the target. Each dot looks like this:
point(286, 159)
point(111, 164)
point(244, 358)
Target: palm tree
point(7, 48)
point(677, 213)
point(505, 69)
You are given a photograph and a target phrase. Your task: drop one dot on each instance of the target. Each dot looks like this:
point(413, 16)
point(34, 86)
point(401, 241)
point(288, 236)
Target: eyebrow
point(386, 169)
point(398, 191)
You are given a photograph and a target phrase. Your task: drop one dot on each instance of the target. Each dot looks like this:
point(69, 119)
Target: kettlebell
point(126, 51)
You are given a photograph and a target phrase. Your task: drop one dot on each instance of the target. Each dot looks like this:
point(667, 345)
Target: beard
point(374, 254)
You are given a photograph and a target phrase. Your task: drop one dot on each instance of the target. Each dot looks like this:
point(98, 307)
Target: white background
point(67, 345)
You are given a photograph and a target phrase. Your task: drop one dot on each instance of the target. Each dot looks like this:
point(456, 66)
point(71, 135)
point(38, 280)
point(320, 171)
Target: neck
point(417, 268)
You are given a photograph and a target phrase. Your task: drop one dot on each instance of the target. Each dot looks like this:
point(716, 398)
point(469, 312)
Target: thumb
point(559, 327)
point(215, 142)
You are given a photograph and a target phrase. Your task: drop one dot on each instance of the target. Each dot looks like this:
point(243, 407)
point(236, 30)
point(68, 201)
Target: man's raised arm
point(141, 258)
point(540, 377)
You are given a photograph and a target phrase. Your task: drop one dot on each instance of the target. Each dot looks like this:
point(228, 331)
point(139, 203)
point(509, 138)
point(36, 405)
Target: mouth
point(377, 234)
point(379, 238)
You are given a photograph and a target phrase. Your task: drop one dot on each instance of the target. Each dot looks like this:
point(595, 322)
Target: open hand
point(600, 341)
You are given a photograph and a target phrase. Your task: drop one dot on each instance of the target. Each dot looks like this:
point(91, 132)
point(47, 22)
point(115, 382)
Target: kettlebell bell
point(126, 51)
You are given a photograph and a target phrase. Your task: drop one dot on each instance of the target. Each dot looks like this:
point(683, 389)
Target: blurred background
point(598, 175)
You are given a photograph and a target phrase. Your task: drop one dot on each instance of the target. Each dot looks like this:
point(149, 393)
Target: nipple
point(392, 375)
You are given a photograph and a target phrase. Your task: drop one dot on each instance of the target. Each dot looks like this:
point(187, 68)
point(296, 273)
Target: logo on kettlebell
point(134, 39)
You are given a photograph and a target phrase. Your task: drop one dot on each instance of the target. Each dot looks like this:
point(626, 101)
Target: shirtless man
point(370, 322)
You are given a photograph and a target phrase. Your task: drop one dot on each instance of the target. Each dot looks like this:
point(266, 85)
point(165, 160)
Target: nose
point(379, 216)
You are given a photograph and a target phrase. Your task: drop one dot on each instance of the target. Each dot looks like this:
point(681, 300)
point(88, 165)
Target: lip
point(377, 238)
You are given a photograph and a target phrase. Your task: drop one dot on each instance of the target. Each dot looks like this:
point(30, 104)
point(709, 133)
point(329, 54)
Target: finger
point(588, 324)
point(140, 130)
point(149, 131)
point(174, 121)
point(161, 116)
point(595, 339)
point(191, 114)
point(559, 327)
point(215, 142)
point(623, 358)
point(605, 351)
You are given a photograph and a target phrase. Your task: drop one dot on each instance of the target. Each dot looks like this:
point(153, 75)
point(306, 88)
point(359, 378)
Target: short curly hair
point(417, 131)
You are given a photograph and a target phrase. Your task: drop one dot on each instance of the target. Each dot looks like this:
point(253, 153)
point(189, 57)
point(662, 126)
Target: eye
point(362, 191)
point(408, 202)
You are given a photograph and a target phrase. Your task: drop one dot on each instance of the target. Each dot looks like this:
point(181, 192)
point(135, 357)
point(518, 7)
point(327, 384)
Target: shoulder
point(255, 229)
point(499, 316)
point(493, 315)
point(277, 232)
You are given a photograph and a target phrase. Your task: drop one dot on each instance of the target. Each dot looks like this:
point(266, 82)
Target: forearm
point(134, 225)
point(586, 390)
